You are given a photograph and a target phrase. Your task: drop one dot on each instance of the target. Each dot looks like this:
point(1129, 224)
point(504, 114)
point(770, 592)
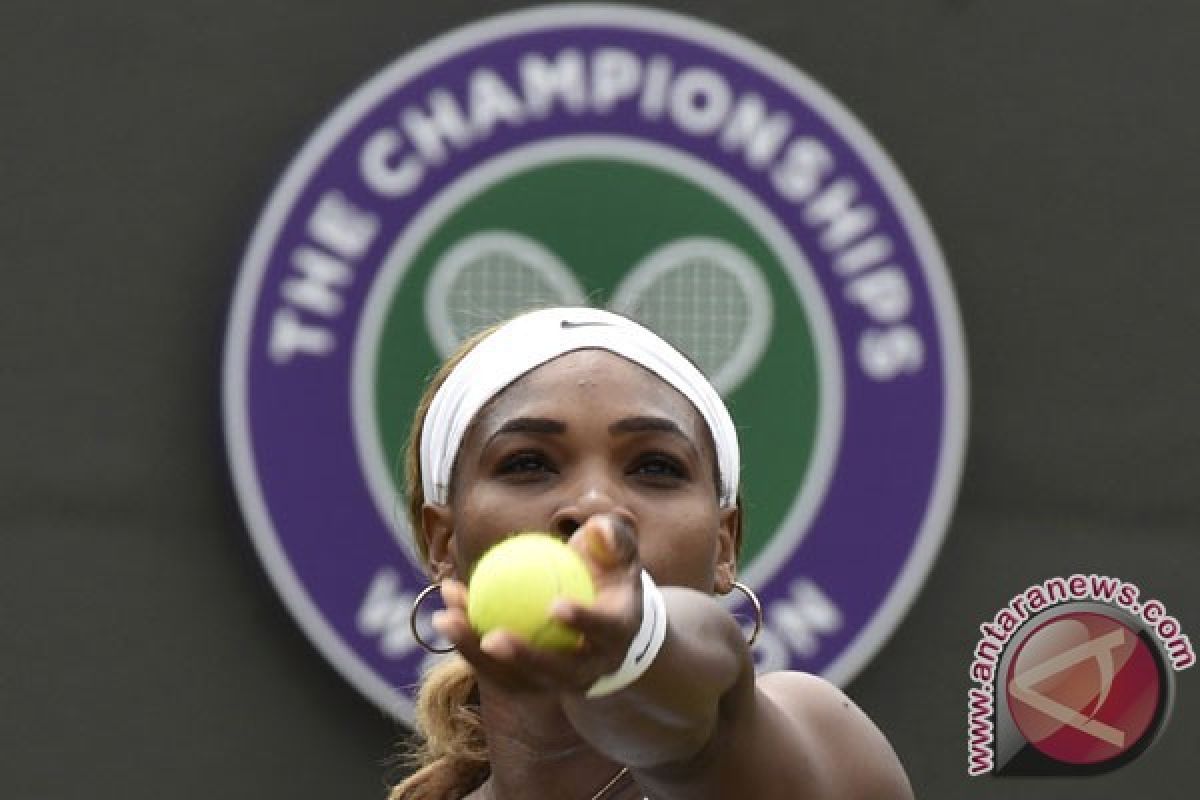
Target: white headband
point(531, 340)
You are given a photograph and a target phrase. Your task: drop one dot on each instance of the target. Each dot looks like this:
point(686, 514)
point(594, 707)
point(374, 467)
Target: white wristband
point(645, 645)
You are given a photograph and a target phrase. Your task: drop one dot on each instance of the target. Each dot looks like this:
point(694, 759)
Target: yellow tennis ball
point(517, 580)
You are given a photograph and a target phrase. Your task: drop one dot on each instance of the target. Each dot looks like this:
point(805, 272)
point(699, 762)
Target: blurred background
point(1052, 145)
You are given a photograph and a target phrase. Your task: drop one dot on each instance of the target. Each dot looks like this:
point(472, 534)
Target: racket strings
point(493, 287)
point(700, 307)
point(704, 296)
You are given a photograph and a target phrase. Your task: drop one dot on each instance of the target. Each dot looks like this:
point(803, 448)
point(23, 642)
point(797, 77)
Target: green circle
point(601, 217)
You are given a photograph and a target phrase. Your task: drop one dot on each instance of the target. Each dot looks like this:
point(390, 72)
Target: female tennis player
point(584, 424)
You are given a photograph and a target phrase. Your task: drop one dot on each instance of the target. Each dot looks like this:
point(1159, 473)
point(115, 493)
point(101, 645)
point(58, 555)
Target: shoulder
point(849, 747)
point(804, 694)
point(787, 735)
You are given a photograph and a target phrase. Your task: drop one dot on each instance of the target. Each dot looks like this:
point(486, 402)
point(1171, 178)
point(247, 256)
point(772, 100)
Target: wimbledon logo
point(637, 160)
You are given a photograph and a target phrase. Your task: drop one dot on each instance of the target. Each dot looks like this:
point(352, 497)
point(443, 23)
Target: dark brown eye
point(660, 467)
point(524, 463)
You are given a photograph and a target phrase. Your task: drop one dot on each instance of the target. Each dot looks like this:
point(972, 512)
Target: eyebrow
point(643, 424)
point(530, 425)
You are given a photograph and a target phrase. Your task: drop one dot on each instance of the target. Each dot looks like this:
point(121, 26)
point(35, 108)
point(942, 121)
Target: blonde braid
point(452, 758)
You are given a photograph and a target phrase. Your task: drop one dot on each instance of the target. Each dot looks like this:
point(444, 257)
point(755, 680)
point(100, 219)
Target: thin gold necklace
point(621, 773)
point(613, 781)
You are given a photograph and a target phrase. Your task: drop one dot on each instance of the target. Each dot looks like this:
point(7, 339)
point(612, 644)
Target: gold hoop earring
point(412, 621)
point(758, 612)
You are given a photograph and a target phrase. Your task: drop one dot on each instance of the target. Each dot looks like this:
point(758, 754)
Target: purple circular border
point(312, 498)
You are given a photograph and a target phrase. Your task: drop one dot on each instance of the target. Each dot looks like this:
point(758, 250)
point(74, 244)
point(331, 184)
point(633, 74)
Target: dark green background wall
point(1053, 144)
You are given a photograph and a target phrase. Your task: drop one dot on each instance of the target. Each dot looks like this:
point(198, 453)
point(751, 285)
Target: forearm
point(671, 711)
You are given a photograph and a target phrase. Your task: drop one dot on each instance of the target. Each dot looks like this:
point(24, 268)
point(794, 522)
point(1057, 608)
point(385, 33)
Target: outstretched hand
point(608, 548)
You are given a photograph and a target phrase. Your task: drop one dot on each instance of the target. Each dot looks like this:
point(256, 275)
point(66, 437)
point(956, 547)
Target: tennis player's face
point(591, 433)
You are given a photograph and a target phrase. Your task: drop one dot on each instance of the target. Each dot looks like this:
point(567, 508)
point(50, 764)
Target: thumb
point(607, 542)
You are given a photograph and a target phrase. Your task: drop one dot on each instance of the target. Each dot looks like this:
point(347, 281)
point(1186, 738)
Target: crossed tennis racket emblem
point(702, 294)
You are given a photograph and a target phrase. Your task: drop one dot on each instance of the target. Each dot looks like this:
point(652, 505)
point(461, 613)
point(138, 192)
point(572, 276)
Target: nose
point(586, 502)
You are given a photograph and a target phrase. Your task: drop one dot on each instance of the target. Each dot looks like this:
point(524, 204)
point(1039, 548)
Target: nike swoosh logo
point(566, 323)
point(653, 624)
